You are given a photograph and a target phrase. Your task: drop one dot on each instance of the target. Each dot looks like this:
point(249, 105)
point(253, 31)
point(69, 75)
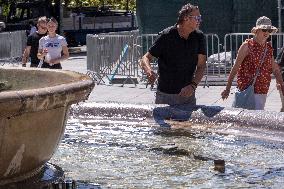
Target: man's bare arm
point(200, 68)
point(26, 55)
point(146, 66)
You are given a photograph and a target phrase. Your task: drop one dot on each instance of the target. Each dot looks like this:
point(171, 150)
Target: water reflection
point(50, 177)
point(133, 153)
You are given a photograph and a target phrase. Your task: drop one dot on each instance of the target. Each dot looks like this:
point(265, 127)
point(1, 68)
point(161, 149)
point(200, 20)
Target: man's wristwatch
point(193, 85)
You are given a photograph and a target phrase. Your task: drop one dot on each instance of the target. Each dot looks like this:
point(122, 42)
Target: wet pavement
point(139, 94)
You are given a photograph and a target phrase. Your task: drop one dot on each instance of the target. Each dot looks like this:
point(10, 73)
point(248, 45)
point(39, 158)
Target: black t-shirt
point(177, 58)
point(280, 61)
point(33, 42)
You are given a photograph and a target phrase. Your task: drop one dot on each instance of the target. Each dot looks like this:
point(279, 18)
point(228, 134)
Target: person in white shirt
point(53, 47)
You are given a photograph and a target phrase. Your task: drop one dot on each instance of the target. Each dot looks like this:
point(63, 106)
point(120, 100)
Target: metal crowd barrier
point(142, 45)
point(105, 52)
point(110, 56)
point(144, 42)
point(233, 41)
point(213, 63)
point(12, 45)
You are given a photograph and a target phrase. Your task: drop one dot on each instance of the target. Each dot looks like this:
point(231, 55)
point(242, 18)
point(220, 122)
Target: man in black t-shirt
point(181, 53)
point(32, 43)
point(280, 62)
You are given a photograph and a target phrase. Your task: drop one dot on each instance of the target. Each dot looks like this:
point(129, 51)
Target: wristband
point(193, 86)
point(192, 82)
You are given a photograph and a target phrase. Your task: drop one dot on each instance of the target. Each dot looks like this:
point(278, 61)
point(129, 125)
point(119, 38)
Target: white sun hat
point(263, 23)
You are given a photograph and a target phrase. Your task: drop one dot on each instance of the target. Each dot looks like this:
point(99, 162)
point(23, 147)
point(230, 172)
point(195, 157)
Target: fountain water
point(149, 146)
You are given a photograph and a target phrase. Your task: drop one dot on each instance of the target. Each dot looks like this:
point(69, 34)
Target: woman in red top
point(248, 61)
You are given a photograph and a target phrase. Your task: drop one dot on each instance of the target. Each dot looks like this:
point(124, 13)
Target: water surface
point(135, 153)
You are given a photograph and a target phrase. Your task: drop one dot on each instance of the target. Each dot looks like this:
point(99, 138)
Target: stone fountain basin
point(33, 111)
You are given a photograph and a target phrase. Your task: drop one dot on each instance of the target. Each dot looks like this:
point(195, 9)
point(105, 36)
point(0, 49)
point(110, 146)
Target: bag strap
point(260, 65)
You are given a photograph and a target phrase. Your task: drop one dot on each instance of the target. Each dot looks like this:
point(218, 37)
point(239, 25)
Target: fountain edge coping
point(200, 113)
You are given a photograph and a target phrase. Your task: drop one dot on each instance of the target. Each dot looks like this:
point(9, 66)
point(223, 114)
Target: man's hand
point(187, 91)
point(152, 76)
point(24, 61)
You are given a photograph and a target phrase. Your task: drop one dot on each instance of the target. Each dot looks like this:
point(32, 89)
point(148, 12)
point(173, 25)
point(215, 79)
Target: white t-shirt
point(53, 45)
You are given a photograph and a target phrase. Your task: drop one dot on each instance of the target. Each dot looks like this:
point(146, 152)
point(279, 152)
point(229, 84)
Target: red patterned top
point(249, 65)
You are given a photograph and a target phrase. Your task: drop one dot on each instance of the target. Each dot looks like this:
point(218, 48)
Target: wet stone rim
point(213, 114)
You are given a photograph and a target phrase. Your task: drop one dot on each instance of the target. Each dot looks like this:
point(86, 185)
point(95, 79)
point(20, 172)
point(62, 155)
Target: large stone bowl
point(34, 105)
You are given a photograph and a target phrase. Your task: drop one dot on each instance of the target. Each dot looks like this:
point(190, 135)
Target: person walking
point(254, 66)
point(280, 62)
point(32, 43)
point(53, 47)
point(181, 53)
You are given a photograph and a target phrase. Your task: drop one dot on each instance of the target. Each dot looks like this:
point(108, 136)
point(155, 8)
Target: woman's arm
point(242, 53)
point(65, 55)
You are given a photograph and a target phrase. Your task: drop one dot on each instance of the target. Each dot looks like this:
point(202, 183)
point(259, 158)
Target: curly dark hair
point(185, 11)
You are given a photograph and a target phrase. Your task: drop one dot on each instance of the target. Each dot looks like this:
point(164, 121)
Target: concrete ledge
point(74, 50)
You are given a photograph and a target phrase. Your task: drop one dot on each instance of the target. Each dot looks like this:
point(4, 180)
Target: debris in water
point(219, 165)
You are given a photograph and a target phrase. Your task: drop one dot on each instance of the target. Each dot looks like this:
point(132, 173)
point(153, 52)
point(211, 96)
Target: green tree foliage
point(117, 4)
point(5, 6)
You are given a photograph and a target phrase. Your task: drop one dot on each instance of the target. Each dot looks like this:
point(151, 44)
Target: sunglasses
point(267, 30)
point(197, 18)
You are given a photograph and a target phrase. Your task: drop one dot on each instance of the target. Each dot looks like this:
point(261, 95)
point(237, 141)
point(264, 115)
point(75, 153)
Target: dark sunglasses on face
point(197, 18)
point(267, 30)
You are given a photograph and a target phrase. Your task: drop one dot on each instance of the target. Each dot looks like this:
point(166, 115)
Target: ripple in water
point(133, 153)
